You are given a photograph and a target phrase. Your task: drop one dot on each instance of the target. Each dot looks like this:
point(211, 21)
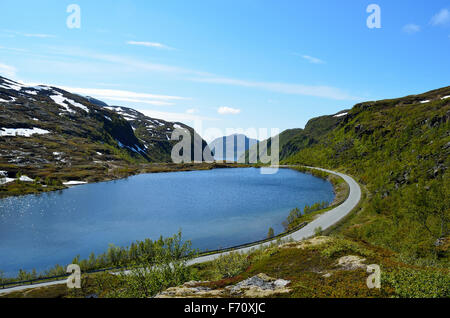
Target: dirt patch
point(315, 241)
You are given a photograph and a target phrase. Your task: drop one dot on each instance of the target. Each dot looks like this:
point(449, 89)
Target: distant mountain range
point(230, 148)
point(43, 125)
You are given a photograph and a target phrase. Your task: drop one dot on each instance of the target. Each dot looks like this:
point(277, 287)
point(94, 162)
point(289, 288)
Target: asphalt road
point(325, 221)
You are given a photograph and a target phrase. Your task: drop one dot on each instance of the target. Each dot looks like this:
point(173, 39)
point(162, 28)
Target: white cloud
point(312, 59)
point(411, 28)
point(441, 18)
point(284, 88)
point(7, 70)
point(125, 96)
point(150, 44)
point(191, 111)
point(173, 117)
point(228, 110)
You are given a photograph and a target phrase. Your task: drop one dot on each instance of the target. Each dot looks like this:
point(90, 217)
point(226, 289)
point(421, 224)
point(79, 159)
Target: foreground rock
point(260, 285)
point(348, 263)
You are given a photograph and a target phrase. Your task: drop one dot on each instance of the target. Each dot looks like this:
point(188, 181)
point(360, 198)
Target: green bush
point(410, 283)
point(231, 264)
point(150, 274)
point(340, 246)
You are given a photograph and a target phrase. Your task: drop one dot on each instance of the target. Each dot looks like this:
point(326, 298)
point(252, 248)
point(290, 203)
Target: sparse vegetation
point(399, 151)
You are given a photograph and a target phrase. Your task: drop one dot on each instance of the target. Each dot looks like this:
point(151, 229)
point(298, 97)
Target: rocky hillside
point(44, 126)
point(155, 133)
point(399, 149)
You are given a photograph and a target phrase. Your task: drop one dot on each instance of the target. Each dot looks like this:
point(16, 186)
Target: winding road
point(324, 221)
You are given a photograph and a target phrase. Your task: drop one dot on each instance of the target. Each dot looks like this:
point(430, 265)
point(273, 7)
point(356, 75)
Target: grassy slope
point(293, 140)
point(399, 150)
point(312, 269)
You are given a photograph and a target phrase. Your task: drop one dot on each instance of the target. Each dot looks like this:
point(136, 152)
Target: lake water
point(215, 208)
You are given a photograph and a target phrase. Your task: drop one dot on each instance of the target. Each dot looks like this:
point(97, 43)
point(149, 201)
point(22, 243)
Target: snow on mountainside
point(155, 133)
point(38, 121)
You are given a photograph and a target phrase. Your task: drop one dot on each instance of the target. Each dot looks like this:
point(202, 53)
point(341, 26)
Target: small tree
point(166, 267)
point(271, 233)
point(318, 231)
point(293, 215)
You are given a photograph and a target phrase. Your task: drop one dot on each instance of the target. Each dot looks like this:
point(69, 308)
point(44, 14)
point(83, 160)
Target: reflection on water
point(216, 208)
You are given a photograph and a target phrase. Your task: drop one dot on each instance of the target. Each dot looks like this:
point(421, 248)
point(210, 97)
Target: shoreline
point(19, 188)
point(329, 217)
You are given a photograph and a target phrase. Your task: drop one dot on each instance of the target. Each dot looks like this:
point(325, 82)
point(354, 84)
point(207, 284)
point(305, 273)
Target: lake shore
point(51, 178)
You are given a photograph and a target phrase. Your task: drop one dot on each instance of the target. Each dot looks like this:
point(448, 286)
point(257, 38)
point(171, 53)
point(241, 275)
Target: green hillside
point(293, 140)
point(399, 150)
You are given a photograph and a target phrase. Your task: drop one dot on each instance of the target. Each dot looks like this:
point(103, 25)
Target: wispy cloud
point(174, 117)
point(129, 62)
point(38, 35)
point(13, 49)
point(155, 45)
point(284, 88)
point(228, 111)
point(312, 59)
point(138, 65)
point(125, 96)
point(29, 35)
point(441, 18)
point(7, 70)
point(411, 28)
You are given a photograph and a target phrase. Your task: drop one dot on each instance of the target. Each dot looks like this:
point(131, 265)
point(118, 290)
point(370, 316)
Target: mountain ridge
point(233, 146)
point(70, 115)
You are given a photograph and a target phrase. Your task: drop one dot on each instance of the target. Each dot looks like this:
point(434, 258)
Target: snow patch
point(13, 99)
point(340, 115)
point(41, 87)
point(26, 179)
point(23, 132)
point(425, 101)
point(12, 85)
point(71, 183)
point(61, 100)
point(6, 180)
point(445, 97)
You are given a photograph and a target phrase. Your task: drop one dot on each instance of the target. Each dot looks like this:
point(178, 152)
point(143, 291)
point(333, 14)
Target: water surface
point(215, 208)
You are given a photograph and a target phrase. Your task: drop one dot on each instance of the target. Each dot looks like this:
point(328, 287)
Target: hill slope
point(293, 140)
point(399, 149)
point(48, 129)
point(233, 146)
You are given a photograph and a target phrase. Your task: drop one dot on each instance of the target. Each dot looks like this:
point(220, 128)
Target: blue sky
point(232, 64)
